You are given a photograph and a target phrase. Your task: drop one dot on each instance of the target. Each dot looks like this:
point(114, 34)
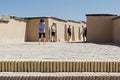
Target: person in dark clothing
point(69, 33)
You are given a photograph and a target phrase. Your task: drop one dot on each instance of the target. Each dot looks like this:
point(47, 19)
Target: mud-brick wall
point(76, 30)
point(33, 29)
point(99, 27)
point(60, 28)
point(116, 30)
point(12, 32)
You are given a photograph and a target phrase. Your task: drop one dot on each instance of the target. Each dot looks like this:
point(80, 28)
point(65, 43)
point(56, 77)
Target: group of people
point(42, 32)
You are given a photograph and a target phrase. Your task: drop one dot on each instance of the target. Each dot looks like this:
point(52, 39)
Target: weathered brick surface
point(59, 66)
point(59, 76)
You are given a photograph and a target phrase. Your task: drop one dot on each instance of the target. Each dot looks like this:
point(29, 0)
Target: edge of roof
point(101, 15)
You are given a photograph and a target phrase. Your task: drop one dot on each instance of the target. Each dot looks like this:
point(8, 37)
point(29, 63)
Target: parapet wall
point(100, 27)
point(12, 32)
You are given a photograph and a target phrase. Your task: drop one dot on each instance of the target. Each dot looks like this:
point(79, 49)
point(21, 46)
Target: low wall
point(13, 31)
point(99, 27)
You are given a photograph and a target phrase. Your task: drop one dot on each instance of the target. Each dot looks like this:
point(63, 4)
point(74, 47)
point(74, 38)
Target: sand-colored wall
point(33, 29)
point(116, 30)
point(12, 32)
point(75, 30)
point(60, 26)
point(99, 28)
point(61, 29)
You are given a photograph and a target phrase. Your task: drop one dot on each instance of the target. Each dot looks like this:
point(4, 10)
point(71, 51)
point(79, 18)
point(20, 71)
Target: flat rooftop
point(60, 51)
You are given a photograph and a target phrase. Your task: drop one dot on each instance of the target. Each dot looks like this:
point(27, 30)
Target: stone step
point(59, 76)
point(59, 66)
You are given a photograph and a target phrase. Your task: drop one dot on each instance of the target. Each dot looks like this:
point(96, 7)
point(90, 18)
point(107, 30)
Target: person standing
point(84, 33)
point(53, 32)
point(69, 33)
point(42, 31)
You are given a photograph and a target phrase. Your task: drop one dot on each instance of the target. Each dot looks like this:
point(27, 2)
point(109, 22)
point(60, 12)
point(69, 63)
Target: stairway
point(59, 70)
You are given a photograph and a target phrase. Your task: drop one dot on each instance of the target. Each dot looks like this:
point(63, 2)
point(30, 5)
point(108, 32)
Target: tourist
point(69, 33)
point(42, 31)
point(84, 33)
point(53, 32)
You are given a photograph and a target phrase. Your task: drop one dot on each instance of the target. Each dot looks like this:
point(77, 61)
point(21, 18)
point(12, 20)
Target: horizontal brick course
point(59, 76)
point(58, 66)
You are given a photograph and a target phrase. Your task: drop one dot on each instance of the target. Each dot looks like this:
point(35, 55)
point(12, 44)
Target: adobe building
point(103, 28)
point(61, 28)
point(12, 30)
point(19, 30)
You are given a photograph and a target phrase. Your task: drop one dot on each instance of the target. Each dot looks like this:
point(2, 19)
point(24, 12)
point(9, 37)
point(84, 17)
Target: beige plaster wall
point(99, 28)
point(60, 25)
point(12, 32)
point(76, 34)
point(116, 30)
point(33, 29)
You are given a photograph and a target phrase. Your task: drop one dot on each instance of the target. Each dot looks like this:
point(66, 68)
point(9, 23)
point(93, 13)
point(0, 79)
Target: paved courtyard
point(61, 51)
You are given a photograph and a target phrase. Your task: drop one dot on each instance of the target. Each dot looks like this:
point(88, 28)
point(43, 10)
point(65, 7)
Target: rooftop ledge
point(101, 15)
point(118, 17)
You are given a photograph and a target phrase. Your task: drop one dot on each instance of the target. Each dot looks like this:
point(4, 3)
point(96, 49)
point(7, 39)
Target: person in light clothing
point(53, 32)
point(42, 31)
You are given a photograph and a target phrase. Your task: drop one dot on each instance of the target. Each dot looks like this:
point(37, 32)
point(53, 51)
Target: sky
point(64, 9)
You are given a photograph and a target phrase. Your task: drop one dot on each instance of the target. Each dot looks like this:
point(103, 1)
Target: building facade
point(61, 28)
point(19, 30)
point(103, 28)
point(12, 30)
